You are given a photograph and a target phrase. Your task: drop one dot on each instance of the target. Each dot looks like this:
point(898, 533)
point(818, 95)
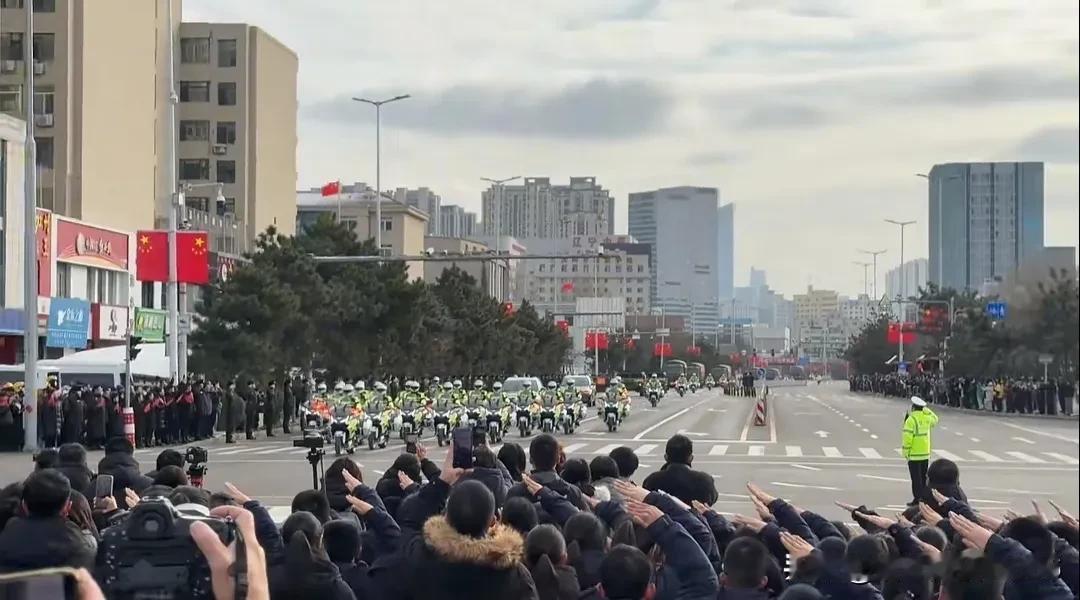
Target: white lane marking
point(1025, 440)
point(958, 433)
point(274, 450)
point(881, 478)
point(832, 452)
point(645, 450)
point(870, 453)
point(972, 500)
point(718, 450)
point(756, 451)
point(799, 485)
point(794, 450)
point(1042, 433)
point(606, 449)
point(237, 451)
point(873, 436)
point(808, 468)
point(573, 448)
point(949, 455)
point(976, 440)
point(865, 430)
point(1025, 457)
point(985, 456)
point(670, 418)
point(821, 433)
point(1072, 460)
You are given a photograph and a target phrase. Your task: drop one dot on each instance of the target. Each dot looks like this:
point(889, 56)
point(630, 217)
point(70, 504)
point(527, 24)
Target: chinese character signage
point(84, 244)
point(43, 245)
point(69, 323)
point(149, 325)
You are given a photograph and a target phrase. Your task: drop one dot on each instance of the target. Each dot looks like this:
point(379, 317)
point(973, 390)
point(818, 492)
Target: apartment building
point(492, 276)
point(96, 103)
point(554, 285)
point(455, 221)
point(427, 201)
point(236, 123)
point(814, 308)
point(537, 208)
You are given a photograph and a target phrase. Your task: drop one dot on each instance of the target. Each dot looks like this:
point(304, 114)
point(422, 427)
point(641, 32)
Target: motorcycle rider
point(551, 399)
point(695, 381)
point(379, 408)
point(476, 399)
point(435, 387)
point(443, 403)
point(622, 395)
point(459, 394)
point(709, 381)
point(412, 401)
point(654, 385)
point(572, 399)
point(680, 382)
point(343, 407)
point(498, 403)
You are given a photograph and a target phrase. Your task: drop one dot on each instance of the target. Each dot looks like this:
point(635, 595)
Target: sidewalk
point(972, 411)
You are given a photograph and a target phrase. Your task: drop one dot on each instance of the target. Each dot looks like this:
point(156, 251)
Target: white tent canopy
point(151, 361)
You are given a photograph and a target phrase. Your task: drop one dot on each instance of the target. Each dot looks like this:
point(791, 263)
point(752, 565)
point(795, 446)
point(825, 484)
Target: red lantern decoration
point(693, 351)
point(662, 349)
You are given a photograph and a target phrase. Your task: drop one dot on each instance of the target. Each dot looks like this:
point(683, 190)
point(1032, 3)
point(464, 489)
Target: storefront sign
point(84, 244)
point(110, 322)
point(43, 248)
point(149, 325)
point(221, 266)
point(69, 323)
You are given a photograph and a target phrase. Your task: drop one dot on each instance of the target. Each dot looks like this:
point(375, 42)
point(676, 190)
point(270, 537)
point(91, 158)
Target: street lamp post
point(903, 290)
point(378, 162)
point(875, 254)
point(865, 276)
point(30, 285)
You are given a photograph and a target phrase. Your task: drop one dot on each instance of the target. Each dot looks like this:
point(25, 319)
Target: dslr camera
point(152, 555)
point(196, 457)
point(311, 441)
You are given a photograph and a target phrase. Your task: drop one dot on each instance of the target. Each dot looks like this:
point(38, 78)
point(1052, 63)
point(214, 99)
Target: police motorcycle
point(496, 414)
point(694, 384)
point(523, 409)
point(680, 386)
point(410, 418)
point(312, 411)
point(549, 402)
point(375, 427)
point(475, 412)
point(610, 409)
point(341, 417)
point(710, 383)
point(654, 390)
point(571, 409)
point(443, 414)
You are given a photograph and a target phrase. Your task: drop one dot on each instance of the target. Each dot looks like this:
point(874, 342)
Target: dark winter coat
point(305, 574)
point(554, 582)
point(684, 483)
point(125, 471)
point(41, 542)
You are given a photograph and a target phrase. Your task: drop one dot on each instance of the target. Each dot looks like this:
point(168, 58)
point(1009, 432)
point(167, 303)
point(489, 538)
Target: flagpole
point(339, 201)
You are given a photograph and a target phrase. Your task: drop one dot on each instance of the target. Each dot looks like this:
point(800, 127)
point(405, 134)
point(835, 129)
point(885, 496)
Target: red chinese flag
point(662, 349)
point(331, 189)
point(568, 287)
point(192, 257)
point(563, 326)
point(596, 341)
point(152, 259)
point(892, 334)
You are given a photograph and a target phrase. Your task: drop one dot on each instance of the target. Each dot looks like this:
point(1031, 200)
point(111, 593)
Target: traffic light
point(133, 347)
point(772, 352)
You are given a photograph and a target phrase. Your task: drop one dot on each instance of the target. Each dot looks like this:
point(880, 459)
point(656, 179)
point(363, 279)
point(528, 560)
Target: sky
point(812, 116)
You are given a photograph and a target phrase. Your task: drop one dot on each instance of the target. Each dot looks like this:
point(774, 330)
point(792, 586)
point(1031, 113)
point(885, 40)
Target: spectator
point(520, 515)
point(512, 456)
point(166, 458)
point(490, 472)
point(544, 454)
point(545, 556)
point(314, 502)
point(73, 465)
point(678, 479)
point(745, 570)
point(119, 461)
point(44, 537)
point(604, 472)
point(306, 571)
point(343, 545)
point(575, 471)
point(943, 475)
point(336, 490)
point(626, 461)
point(170, 476)
point(46, 459)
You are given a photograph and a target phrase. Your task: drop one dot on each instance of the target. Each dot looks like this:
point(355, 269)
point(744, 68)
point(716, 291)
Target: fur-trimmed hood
point(501, 549)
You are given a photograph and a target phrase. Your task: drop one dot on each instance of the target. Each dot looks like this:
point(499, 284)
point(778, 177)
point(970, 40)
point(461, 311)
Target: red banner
point(662, 349)
point(152, 259)
point(693, 350)
point(563, 326)
point(84, 244)
point(192, 257)
point(508, 309)
point(43, 242)
point(596, 340)
point(897, 330)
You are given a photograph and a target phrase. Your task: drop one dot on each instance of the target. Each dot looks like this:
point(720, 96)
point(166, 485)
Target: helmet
point(496, 386)
point(552, 385)
point(448, 386)
point(653, 376)
point(360, 386)
point(568, 383)
point(616, 379)
point(478, 384)
point(457, 383)
point(412, 385)
point(436, 379)
point(339, 386)
point(322, 386)
point(349, 388)
point(527, 383)
point(380, 386)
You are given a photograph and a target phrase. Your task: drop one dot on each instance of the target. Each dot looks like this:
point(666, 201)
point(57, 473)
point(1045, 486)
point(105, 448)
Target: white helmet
point(448, 386)
point(339, 386)
point(380, 386)
point(552, 385)
point(436, 379)
point(322, 386)
point(349, 388)
point(497, 385)
point(527, 383)
point(360, 386)
point(457, 383)
point(412, 385)
point(478, 384)
point(616, 379)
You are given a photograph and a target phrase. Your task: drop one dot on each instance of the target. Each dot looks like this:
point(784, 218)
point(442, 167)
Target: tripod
point(315, 459)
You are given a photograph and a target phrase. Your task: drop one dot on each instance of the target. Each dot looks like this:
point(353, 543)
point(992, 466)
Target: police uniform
point(915, 444)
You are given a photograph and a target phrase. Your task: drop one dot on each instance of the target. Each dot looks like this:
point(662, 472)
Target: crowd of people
point(1004, 394)
point(534, 525)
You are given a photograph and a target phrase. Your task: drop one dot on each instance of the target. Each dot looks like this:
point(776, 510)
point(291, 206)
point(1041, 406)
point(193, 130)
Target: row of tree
point(281, 310)
point(977, 345)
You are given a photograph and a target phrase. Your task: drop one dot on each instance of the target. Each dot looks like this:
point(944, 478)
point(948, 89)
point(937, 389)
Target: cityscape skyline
point(766, 101)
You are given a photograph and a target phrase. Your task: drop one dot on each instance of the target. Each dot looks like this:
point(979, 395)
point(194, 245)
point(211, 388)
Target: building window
point(194, 168)
point(11, 46)
point(640, 268)
point(226, 53)
point(387, 225)
point(226, 132)
point(194, 131)
point(44, 47)
point(386, 250)
point(226, 93)
point(44, 153)
point(227, 208)
point(42, 6)
point(541, 268)
point(198, 203)
point(147, 300)
point(11, 98)
point(195, 51)
point(63, 280)
point(194, 91)
point(226, 171)
point(44, 100)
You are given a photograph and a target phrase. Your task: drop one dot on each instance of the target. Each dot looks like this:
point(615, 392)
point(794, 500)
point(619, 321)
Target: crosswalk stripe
point(756, 451)
point(573, 448)
point(949, 455)
point(718, 450)
point(606, 449)
point(870, 453)
point(985, 456)
point(1025, 457)
point(832, 452)
point(236, 451)
point(794, 450)
point(645, 450)
point(1065, 458)
point(274, 450)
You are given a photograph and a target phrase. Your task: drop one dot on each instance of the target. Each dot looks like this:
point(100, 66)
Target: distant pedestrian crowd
point(1003, 394)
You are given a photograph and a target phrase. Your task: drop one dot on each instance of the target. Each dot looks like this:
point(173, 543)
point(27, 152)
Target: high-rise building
point(96, 103)
point(456, 222)
point(907, 279)
point(538, 209)
point(237, 123)
point(814, 308)
point(758, 278)
point(427, 201)
point(984, 219)
point(725, 259)
point(682, 226)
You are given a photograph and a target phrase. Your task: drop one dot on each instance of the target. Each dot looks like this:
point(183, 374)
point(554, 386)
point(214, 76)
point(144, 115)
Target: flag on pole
point(331, 189)
point(152, 260)
point(568, 287)
point(192, 257)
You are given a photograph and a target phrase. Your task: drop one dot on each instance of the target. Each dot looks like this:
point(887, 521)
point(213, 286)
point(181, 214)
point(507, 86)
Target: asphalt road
point(820, 444)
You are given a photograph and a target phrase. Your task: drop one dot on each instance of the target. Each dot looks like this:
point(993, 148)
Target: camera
point(196, 458)
point(311, 442)
point(152, 554)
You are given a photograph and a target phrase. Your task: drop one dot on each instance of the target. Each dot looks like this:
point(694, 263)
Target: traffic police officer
point(915, 444)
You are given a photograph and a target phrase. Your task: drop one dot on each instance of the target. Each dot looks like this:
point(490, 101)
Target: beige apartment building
point(814, 309)
point(96, 108)
point(236, 123)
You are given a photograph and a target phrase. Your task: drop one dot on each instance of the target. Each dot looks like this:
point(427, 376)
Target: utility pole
point(30, 279)
point(903, 281)
point(378, 163)
point(875, 254)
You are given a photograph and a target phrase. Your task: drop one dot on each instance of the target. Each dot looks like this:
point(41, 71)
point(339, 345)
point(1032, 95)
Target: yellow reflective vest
point(915, 443)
